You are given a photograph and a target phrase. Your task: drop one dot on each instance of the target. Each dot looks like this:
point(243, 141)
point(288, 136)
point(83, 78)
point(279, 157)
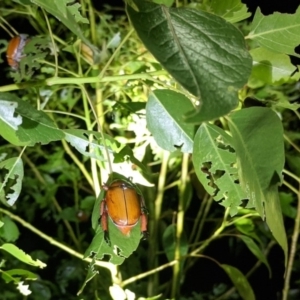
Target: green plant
point(90, 103)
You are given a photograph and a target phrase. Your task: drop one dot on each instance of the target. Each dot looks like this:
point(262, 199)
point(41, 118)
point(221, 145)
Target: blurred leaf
point(240, 282)
point(16, 275)
point(257, 136)
point(169, 242)
point(115, 41)
point(167, 3)
point(231, 10)
point(214, 160)
point(14, 177)
point(21, 255)
point(205, 54)
point(67, 12)
point(287, 205)
point(165, 111)
point(9, 232)
point(247, 227)
point(256, 251)
point(277, 32)
point(271, 67)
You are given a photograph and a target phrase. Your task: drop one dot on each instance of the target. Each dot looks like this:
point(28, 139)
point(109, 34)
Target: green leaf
point(21, 255)
point(169, 242)
point(203, 52)
point(277, 32)
point(240, 282)
point(35, 126)
point(90, 143)
point(121, 246)
point(67, 12)
point(214, 160)
point(287, 205)
point(91, 273)
point(271, 67)
point(165, 111)
point(257, 136)
point(16, 275)
point(168, 3)
point(231, 10)
point(256, 251)
point(15, 174)
point(9, 232)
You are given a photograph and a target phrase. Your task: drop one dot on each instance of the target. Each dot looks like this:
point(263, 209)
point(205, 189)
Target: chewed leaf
point(277, 32)
point(7, 111)
point(35, 126)
point(21, 255)
point(90, 143)
point(214, 160)
point(14, 176)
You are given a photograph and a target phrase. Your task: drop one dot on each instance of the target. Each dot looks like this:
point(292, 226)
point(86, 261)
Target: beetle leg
point(103, 221)
point(144, 222)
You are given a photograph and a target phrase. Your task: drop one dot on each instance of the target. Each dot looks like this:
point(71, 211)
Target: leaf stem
point(293, 250)
point(177, 271)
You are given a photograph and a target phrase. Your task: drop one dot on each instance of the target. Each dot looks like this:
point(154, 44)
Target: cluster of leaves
point(91, 104)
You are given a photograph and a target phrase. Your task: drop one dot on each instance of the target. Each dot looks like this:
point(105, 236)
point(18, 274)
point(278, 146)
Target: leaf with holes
point(12, 181)
point(25, 125)
point(214, 161)
point(90, 143)
point(257, 137)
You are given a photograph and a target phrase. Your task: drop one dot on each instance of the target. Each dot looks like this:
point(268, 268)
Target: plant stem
point(65, 248)
point(177, 271)
point(79, 80)
point(152, 285)
point(293, 249)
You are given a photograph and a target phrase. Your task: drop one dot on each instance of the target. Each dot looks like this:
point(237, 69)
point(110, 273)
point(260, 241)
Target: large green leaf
point(165, 119)
point(277, 32)
point(257, 136)
point(22, 124)
point(214, 160)
point(203, 52)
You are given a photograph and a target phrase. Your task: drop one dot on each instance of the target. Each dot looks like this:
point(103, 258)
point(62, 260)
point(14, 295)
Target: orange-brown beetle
point(14, 52)
point(124, 206)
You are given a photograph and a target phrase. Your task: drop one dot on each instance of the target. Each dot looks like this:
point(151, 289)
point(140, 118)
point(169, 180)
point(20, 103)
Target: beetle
point(15, 48)
point(124, 206)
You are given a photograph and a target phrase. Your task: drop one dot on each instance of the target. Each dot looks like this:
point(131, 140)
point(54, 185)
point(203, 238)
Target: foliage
point(211, 118)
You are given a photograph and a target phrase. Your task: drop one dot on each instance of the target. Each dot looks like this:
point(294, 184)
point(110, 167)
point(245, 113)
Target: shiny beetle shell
point(123, 205)
point(14, 52)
